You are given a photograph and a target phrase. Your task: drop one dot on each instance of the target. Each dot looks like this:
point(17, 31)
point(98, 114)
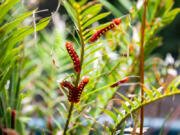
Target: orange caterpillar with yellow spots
point(99, 33)
point(75, 93)
point(74, 56)
point(120, 82)
point(82, 85)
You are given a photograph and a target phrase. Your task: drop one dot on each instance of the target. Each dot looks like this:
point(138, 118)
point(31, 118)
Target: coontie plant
point(106, 71)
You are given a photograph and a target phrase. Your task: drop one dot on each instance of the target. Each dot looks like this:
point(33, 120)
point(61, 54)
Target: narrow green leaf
point(126, 99)
point(8, 115)
point(111, 114)
point(89, 62)
point(87, 72)
point(118, 112)
point(82, 2)
point(111, 8)
point(126, 3)
point(94, 19)
point(137, 101)
point(97, 90)
point(5, 78)
point(8, 27)
point(156, 91)
point(6, 6)
point(150, 46)
point(165, 121)
point(122, 129)
point(93, 10)
point(93, 51)
point(92, 45)
point(71, 11)
point(169, 17)
point(18, 35)
point(125, 107)
point(8, 58)
point(149, 93)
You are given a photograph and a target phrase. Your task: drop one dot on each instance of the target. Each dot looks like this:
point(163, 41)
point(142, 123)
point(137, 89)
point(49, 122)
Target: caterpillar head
point(117, 21)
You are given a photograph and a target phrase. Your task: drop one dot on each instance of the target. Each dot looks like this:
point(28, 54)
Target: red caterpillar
point(75, 93)
point(72, 91)
point(74, 56)
point(82, 85)
point(99, 33)
point(120, 82)
point(67, 85)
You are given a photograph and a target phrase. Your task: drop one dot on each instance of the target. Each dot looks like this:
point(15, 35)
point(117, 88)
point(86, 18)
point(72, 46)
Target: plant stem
point(81, 63)
point(142, 66)
point(68, 119)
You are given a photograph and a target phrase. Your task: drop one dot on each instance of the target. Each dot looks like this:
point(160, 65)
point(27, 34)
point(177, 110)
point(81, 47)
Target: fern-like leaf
point(137, 104)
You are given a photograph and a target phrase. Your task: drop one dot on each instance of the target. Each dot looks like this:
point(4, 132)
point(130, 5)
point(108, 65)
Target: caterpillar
point(75, 93)
point(72, 94)
point(83, 84)
point(67, 85)
point(120, 82)
point(99, 33)
point(74, 56)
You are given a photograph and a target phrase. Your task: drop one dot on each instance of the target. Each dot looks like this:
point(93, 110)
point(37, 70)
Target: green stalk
point(68, 119)
point(79, 74)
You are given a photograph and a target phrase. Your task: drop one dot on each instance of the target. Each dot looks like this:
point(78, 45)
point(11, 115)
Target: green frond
point(87, 72)
point(17, 36)
point(71, 11)
point(8, 27)
point(136, 104)
point(12, 63)
point(111, 8)
point(91, 11)
point(126, 99)
point(169, 17)
point(84, 14)
point(5, 7)
point(94, 19)
point(93, 51)
point(82, 2)
point(90, 61)
point(111, 114)
point(118, 112)
point(92, 45)
point(149, 93)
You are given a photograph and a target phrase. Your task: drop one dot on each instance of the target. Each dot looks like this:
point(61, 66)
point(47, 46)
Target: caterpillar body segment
point(101, 32)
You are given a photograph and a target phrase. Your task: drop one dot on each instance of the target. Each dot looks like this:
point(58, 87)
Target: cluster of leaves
point(13, 65)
